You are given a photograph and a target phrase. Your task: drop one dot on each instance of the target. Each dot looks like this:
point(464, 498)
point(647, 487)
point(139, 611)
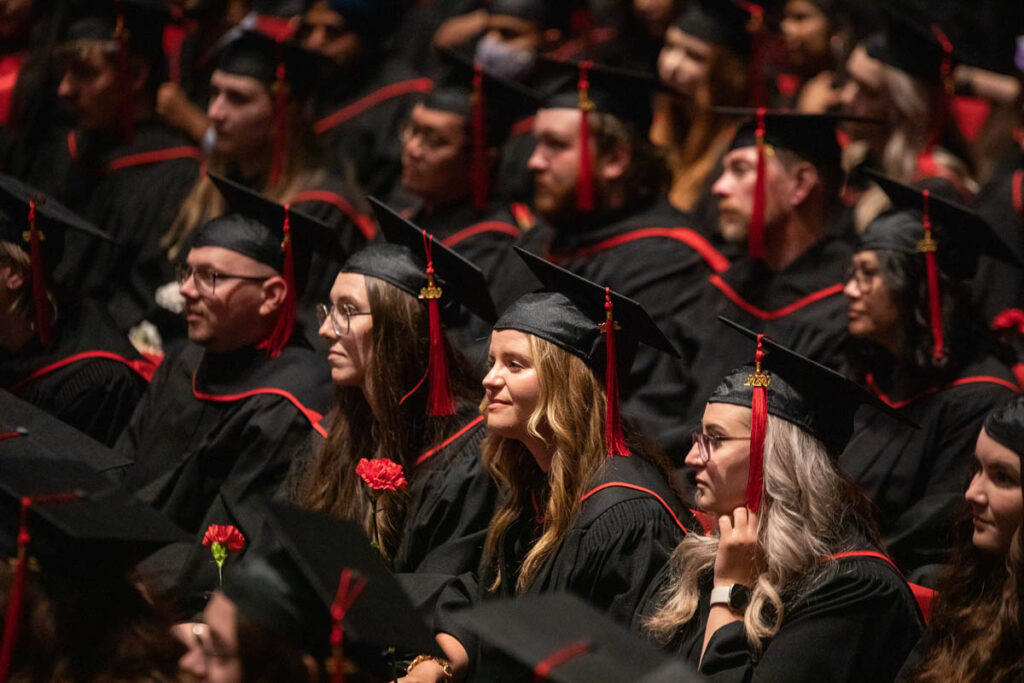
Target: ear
point(12, 279)
point(805, 179)
point(613, 164)
point(550, 38)
point(275, 289)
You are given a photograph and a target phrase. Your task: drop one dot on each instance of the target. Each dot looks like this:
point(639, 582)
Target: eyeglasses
point(201, 634)
point(341, 318)
point(206, 279)
point(707, 442)
point(864, 277)
point(431, 140)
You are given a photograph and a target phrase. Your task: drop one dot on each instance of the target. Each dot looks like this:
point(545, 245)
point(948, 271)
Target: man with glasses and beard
point(214, 435)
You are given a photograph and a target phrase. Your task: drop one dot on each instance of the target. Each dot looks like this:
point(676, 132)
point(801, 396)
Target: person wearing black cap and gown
point(364, 91)
point(789, 279)
point(58, 352)
point(921, 346)
point(122, 168)
point(599, 186)
point(791, 586)
point(73, 609)
point(258, 110)
point(588, 508)
point(404, 392)
point(450, 147)
point(222, 419)
point(902, 74)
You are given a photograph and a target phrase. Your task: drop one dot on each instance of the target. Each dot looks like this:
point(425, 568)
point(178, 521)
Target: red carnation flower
point(231, 537)
point(381, 474)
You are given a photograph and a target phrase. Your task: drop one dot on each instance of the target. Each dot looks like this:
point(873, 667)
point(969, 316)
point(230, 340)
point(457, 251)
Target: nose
point(492, 381)
point(975, 494)
point(721, 187)
point(188, 288)
point(693, 458)
point(537, 161)
point(326, 330)
point(65, 89)
point(316, 39)
point(215, 110)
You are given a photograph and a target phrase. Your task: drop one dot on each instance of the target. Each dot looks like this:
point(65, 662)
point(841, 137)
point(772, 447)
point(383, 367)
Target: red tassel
point(479, 151)
point(285, 323)
point(584, 179)
point(755, 231)
point(35, 237)
point(569, 652)
point(124, 77)
point(281, 92)
point(12, 618)
point(758, 427)
point(439, 399)
point(612, 422)
point(928, 246)
point(349, 588)
point(942, 107)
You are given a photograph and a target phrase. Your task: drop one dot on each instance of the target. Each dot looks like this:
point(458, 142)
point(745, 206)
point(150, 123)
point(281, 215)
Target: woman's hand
point(739, 552)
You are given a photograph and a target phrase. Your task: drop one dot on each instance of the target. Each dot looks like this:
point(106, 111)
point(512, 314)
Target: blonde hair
point(809, 511)
point(11, 255)
point(569, 418)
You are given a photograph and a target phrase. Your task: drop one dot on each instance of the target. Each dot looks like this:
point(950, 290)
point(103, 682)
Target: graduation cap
point(288, 70)
point(128, 26)
point(368, 17)
point(720, 22)
point(490, 104)
point(324, 586)
point(270, 233)
point(810, 136)
point(421, 266)
point(560, 638)
point(76, 523)
point(950, 236)
point(545, 13)
point(1005, 425)
point(622, 93)
point(37, 223)
point(798, 390)
point(589, 321)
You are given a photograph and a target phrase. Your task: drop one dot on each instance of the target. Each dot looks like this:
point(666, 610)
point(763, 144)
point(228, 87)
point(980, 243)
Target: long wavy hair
point(964, 331)
point(809, 511)
point(570, 418)
point(978, 616)
point(400, 343)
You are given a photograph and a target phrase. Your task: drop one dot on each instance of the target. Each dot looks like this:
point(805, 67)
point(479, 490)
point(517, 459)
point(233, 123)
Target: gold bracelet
point(446, 667)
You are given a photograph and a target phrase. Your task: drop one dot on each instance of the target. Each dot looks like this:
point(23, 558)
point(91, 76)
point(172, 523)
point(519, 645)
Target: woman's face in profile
point(721, 465)
point(684, 63)
point(995, 496)
point(872, 312)
point(348, 328)
point(512, 384)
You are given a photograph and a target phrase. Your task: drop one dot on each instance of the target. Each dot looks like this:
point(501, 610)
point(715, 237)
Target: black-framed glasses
point(340, 316)
point(201, 635)
point(707, 442)
point(206, 278)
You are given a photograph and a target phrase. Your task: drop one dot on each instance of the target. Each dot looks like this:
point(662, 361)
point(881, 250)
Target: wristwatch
point(736, 597)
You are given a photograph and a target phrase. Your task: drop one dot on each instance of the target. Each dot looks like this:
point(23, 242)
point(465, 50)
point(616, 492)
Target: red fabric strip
point(310, 414)
point(691, 238)
point(613, 438)
point(363, 222)
point(420, 85)
point(9, 435)
point(758, 429)
point(922, 595)
point(522, 126)
point(978, 379)
point(1017, 192)
point(778, 313)
point(145, 366)
point(72, 146)
point(649, 492)
point(426, 455)
point(479, 228)
point(155, 156)
point(541, 671)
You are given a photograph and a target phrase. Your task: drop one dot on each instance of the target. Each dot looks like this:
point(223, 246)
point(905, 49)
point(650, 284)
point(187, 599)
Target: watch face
point(739, 598)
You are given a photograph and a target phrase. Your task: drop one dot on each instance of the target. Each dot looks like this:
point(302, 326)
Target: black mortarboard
point(1005, 425)
point(546, 13)
point(270, 233)
point(322, 564)
point(491, 106)
point(140, 23)
point(796, 389)
point(558, 637)
point(574, 314)
point(252, 53)
point(912, 46)
point(721, 22)
point(368, 17)
point(37, 223)
point(622, 93)
point(26, 430)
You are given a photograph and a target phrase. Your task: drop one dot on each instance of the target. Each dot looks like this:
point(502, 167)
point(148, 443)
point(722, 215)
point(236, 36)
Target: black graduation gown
point(647, 253)
point(857, 624)
point(213, 438)
point(450, 500)
point(917, 477)
point(90, 376)
point(801, 306)
point(358, 122)
point(133, 191)
point(999, 286)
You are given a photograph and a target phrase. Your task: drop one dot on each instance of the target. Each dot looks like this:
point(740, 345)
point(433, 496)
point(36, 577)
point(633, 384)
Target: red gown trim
point(922, 594)
point(691, 238)
point(978, 379)
point(144, 366)
point(480, 228)
point(649, 492)
point(362, 222)
point(310, 414)
point(426, 455)
point(347, 112)
point(753, 310)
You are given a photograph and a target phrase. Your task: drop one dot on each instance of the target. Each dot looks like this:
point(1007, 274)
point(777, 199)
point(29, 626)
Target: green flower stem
point(220, 554)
